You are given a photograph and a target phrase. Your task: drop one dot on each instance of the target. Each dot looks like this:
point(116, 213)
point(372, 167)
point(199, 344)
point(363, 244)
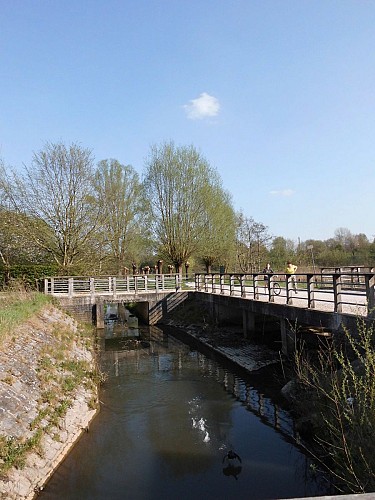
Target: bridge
point(328, 301)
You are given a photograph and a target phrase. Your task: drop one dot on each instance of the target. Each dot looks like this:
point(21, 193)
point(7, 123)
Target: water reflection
point(171, 420)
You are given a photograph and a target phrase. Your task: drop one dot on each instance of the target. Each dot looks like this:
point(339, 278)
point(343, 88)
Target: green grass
point(18, 307)
point(59, 375)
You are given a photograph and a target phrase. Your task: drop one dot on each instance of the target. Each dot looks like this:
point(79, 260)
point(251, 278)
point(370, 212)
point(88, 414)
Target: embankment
point(48, 396)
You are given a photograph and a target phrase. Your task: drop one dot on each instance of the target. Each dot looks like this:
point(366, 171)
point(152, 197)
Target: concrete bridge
point(328, 301)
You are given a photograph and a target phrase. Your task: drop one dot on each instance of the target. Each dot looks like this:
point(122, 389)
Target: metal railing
point(75, 286)
point(351, 293)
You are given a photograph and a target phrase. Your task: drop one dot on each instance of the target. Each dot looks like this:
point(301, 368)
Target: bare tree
point(55, 194)
point(252, 240)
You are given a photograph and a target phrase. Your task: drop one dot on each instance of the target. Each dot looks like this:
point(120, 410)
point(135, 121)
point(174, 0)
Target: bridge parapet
point(111, 286)
point(350, 293)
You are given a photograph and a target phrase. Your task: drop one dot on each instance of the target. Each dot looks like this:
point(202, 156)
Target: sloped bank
point(48, 396)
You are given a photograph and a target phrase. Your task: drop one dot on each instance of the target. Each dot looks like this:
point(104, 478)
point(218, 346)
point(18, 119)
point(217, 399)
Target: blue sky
point(277, 95)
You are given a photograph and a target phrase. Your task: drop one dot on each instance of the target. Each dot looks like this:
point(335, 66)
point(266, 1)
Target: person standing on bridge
point(289, 272)
point(268, 272)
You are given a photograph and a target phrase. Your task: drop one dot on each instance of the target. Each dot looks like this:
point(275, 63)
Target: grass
point(16, 307)
point(59, 374)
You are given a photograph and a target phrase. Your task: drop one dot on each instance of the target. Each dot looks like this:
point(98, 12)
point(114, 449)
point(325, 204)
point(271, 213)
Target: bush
point(341, 386)
point(30, 275)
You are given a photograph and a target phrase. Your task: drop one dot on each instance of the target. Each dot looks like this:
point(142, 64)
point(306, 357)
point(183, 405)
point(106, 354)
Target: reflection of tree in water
point(187, 422)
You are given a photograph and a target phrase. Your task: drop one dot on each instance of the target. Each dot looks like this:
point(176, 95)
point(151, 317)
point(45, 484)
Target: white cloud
point(283, 192)
point(203, 106)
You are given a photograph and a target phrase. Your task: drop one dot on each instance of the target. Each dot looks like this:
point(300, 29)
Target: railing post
point(198, 282)
point(256, 285)
point(52, 286)
point(231, 284)
point(45, 286)
point(178, 286)
point(70, 287)
point(271, 291)
point(205, 284)
point(92, 287)
point(288, 289)
point(114, 286)
point(146, 282)
point(109, 284)
point(222, 284)
point(370, 295)
point(243, 287)
point(310, 281)
point(136, 284)
point(337, 287)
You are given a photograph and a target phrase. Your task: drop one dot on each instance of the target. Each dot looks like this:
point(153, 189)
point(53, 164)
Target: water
point(169, 416)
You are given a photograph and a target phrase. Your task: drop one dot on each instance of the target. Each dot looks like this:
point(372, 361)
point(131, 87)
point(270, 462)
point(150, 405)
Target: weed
point(340, 387)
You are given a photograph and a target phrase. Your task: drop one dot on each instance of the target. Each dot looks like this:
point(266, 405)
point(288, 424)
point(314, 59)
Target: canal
point(170, 416)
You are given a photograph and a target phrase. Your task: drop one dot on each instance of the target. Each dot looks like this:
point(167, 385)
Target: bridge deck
point(337, 292)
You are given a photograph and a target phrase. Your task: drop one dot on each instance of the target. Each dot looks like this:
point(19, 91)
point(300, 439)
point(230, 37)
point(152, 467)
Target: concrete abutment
point(252, 316)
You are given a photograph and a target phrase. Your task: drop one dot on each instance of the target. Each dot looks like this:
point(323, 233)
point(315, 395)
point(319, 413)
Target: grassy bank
point(16, 307)
point(61, 364)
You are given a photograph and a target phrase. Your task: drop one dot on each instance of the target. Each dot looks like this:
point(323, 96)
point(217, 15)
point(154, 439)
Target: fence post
point(370, 295)
point(114, 286)
point(310, 279)
point(222, 284)
point(256, 286)
point(271, 291)
point(243, 285)
point(197, 282)
point(337, 288)
point(178, 286)
point(70, 287)
point(289, 296)
point(231, 284)
point(92, 287)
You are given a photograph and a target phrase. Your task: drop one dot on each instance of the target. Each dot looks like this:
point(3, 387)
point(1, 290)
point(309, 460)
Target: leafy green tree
point(118, 195)
point(281, 251)
point(54, 194)
point(219, 233)
point(179, 185)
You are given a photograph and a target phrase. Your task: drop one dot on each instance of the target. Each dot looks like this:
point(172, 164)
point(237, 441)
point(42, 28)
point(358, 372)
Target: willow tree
point(219, 234)
point(117, 190)
point(178, 185)
point(55, 196)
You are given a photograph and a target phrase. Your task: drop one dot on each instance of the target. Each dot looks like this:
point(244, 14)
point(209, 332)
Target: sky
point(277, 95)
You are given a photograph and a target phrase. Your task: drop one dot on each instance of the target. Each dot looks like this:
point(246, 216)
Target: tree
point(219, 234)
point(55, 196)
point(281, 251)
point(118, 190)
point(252, 240)
point(178, 184)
